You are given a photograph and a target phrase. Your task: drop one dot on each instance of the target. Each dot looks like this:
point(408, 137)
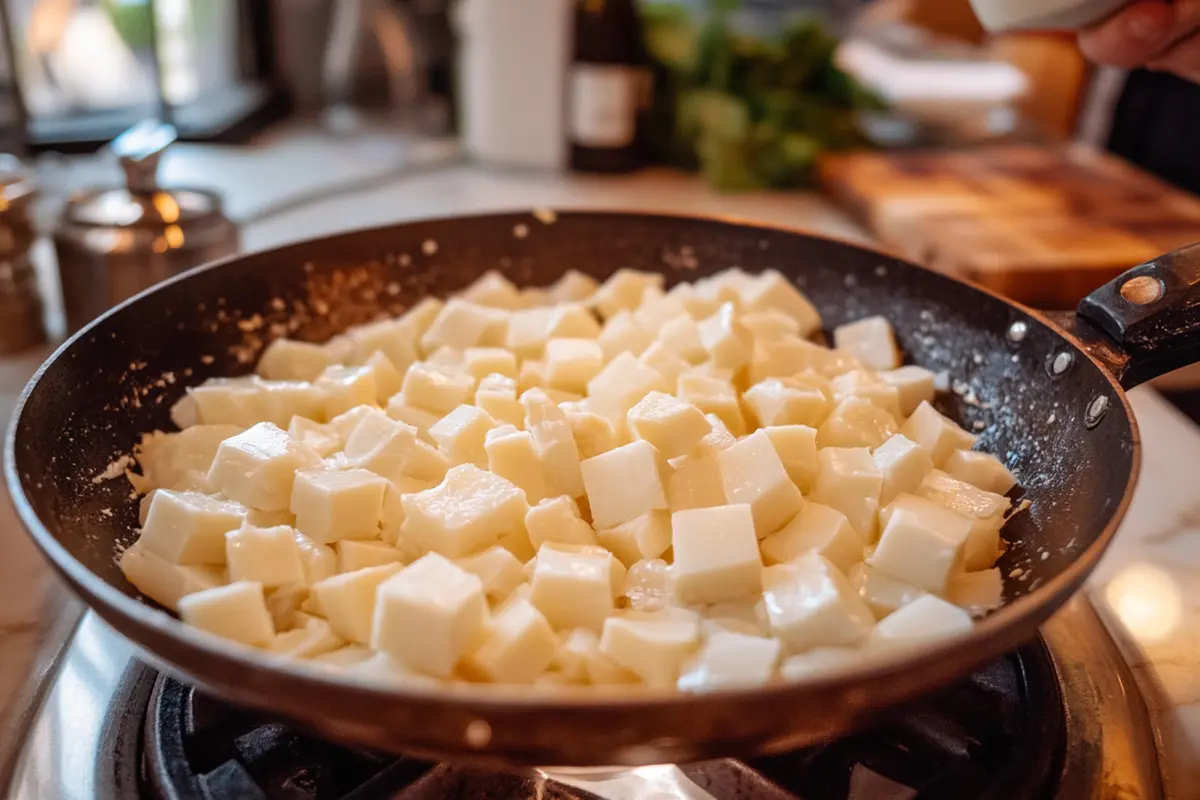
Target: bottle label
point(604, 102)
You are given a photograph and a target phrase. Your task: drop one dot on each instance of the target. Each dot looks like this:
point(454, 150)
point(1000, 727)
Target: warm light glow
point(1147, 601)
point(174, 236)
point(167, 207)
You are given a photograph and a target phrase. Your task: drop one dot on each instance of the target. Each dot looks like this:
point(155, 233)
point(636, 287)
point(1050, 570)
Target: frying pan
point(1046, 397)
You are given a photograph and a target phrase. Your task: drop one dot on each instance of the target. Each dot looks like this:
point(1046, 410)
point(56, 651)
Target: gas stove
point(1059, 718)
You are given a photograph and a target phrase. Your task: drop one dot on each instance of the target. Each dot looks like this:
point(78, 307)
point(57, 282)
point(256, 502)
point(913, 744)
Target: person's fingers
point(1132, 37)
point(1183, 59)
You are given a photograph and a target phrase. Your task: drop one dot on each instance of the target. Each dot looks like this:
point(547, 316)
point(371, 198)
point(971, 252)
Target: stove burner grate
point(997, 735)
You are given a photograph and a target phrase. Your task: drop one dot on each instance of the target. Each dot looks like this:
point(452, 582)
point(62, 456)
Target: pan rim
point(1037, 605)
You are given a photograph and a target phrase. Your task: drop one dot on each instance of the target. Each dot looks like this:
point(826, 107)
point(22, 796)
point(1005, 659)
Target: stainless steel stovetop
point(1061, 718)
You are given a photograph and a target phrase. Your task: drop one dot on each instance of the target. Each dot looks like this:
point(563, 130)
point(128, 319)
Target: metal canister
point(114, 242)
point(21, 313)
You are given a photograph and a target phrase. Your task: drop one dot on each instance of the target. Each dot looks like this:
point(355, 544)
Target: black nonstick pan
point(1046, 397)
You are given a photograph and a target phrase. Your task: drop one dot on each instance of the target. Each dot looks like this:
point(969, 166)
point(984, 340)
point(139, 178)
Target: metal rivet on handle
point(1142, 290)
point(1059, 363)
point(1017, 331)
point(1095, 411)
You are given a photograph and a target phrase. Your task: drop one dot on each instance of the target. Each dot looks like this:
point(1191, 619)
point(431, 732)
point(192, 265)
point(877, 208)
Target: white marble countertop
point(1147, 588)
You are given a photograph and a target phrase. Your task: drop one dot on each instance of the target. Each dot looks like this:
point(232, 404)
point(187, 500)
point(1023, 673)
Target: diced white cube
point(342, 388)
point(498, 571)
point(512, 455)
point(819, 661)
point(228, 401)
point(665, 361)
point(796, 446)
point(752, 473)
point(338, 504)
point(593, 432)
point(470, 510)
point(314, 639)
point(279, 401)
point(620, 385)
point(345, 423)
point(856, 422)
point(785, 401)
point(318, 560)
point(650, 583)
point(393, 450)
point(347, 600)
point(882, 593)
point(290, 360)
point(696, 483)
point(985, 509)
point(726, 340)
point(730, 659)
point(820, 529)
point(717, 439)
point(165, 582)
point(924, 550)
point(479, 362)
point(624, 483)
point(492, 289)
point(416, 418)
point(571, 363)
point(269, 556)
point(681, 336)
point(185, 412)
point(903, 464)
point(573, 588)
point(497, 395)
point(320, 437)
point(623, 291)
point(713, 396)
point(977, 592)
point(460, 324)
point(180, 460)
point(811, 604)
point(353, 555)
point(572, 287)
point(924, 620)
point(460, 435)
point(438, 390)
point(518, 645)
point(532, 375)
point(671, 425)
point(388, 380)
point(644, 536)
point(716, 554)
point(344, 658)
point(258, 466)
point(868, 386)
point(914, 385)
point(982, 470)
point(622, 334)
point(189, 527)
point(428, 615)
point(656, 308)
point(936, 433)
point(555, 442)
point(237, 611)
point(557, 520)
point(770, 324)
point(771, 290)
point(653, 649)
point(870, 340)
point(849, 480)
point(391, 337)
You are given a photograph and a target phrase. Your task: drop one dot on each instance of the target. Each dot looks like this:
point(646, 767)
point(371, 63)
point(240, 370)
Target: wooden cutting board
point(1042, 224)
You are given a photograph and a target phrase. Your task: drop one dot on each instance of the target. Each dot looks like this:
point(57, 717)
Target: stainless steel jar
point(21, 313)
point(113, 243)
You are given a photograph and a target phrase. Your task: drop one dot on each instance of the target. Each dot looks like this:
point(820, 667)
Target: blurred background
point(1005, 159)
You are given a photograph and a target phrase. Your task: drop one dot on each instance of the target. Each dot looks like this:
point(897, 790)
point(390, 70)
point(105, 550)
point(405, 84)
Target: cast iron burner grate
point(999, 734)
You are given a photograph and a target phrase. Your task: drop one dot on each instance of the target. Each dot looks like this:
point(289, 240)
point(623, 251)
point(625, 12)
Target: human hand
point(1156, 34)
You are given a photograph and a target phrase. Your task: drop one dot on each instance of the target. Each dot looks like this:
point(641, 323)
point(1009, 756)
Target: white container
point(1015, 15)
point(513, 62)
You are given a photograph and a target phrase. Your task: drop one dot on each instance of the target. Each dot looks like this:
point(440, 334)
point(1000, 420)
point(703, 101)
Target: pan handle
point(1146, 322)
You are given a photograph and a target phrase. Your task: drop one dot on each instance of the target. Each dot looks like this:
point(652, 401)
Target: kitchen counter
point(1147, 588)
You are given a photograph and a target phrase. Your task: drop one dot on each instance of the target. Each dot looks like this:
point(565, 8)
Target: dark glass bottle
point(607, 87)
